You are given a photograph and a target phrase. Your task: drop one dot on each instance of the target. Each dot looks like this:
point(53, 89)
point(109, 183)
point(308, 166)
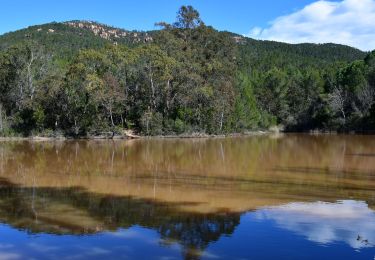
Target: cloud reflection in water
point(352, 222)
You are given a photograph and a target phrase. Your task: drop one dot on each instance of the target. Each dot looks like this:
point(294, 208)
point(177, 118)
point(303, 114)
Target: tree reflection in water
point(189, 193)
point(75, 211)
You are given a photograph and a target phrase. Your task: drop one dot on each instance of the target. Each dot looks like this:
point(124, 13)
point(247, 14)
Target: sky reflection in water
point(351, 222)
point(278, 197)
point(290, 231)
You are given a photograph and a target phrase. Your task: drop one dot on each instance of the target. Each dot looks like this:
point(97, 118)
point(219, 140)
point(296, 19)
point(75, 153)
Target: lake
point(291, 196)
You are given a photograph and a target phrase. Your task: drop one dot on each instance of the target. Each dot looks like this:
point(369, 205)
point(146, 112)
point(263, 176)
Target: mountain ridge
point(100, 34)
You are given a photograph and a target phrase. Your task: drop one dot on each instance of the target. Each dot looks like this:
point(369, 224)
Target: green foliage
point(179, 126)
point(246, 114)
point(188, 78)
point(39, 118)
point(152, 123)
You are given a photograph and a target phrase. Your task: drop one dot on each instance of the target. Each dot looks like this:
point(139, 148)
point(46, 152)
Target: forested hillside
point(79, 77)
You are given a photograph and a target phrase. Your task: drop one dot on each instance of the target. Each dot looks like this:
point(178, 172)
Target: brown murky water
point(94, 187)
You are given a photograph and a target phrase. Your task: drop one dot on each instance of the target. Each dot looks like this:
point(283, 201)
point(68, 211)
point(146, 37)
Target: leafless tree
point(337, 101)
point(31, 65)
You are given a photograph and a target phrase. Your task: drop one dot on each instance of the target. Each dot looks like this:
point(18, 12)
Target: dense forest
point(82, 78)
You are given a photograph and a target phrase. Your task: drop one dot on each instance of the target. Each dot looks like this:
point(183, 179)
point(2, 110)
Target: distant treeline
point(189, 78)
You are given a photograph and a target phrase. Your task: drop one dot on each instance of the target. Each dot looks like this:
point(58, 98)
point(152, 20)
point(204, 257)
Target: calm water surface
point(268, 197)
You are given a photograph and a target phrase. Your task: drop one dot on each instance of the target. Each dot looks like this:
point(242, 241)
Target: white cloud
point(349, 22)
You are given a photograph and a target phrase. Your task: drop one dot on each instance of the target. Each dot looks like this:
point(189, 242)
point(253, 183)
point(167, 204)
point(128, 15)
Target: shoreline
point(134, 137)
point(182, 136)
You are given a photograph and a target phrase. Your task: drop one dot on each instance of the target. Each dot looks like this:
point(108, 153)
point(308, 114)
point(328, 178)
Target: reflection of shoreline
point(178, 186)
point(213, 175)
point(352, 222)
point(76, 212)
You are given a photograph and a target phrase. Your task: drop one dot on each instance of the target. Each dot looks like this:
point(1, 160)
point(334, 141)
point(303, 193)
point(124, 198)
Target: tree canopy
point(188, 78)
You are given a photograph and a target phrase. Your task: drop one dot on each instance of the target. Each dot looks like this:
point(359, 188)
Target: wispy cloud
point(9, 256)
point(349, 22)
point(43, 248)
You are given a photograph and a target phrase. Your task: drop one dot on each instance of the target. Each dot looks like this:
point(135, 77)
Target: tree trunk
point(30, 76)
point(343, 115)
point(122, 121)
point(168, 96)
point(222, 116)
point(111, 116)
point(147, 125)
point(75, 127)
point(221, 120)
point(1, 118)
point(153, 102)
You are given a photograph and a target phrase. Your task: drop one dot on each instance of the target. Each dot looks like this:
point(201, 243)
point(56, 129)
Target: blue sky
point(342, 21)
point(235, 15)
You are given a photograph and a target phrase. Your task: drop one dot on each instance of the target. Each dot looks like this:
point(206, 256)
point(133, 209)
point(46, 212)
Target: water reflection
point(97, 226)
point(74, 211)
point(196, 199)
point(235, 174)
point(352, 222)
